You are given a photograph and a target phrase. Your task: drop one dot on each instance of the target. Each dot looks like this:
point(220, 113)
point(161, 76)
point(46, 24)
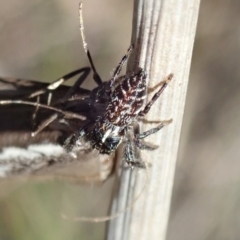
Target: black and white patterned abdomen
point(127, 99)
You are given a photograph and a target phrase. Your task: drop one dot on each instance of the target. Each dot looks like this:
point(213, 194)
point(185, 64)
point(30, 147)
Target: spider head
point(105, 137)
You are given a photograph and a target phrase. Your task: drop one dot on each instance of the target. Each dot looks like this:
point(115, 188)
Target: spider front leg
point(72, 141)
point(145, 134)
point(130, 151)
point(131, 156)
point(139, 136)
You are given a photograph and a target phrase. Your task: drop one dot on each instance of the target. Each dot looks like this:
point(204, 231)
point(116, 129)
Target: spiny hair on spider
point(103, 117)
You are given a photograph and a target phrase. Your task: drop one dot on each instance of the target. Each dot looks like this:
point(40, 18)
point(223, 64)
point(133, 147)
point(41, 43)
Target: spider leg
point(152, 89)
point(130, 155)
point(156, 96)
point(139, 136)
point(140, 143)
point(71, 141)
point(120, 65)
point(145, 146)
point(153, 130)
point(96, 76)
point(132, 143)
point(143, 120)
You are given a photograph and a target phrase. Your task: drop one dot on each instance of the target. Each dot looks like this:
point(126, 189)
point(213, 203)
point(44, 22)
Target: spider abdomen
point(127, 99)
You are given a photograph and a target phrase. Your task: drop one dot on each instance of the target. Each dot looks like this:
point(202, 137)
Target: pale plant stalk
point(163, 36)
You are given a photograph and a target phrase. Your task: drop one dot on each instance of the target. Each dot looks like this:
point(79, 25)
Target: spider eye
point(112, 142)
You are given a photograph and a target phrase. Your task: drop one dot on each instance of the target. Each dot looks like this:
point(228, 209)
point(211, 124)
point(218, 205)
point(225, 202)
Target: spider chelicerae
point(105, 116)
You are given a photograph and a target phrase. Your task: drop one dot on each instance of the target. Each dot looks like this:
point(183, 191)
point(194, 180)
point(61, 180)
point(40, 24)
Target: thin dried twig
point(163, 35)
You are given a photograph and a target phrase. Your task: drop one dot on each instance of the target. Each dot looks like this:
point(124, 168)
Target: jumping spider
point(107, 115)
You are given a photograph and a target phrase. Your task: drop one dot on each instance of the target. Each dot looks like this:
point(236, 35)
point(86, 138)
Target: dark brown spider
point(103, 117)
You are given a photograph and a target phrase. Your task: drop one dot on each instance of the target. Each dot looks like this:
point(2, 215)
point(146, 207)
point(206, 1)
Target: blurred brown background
point(40, 40)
